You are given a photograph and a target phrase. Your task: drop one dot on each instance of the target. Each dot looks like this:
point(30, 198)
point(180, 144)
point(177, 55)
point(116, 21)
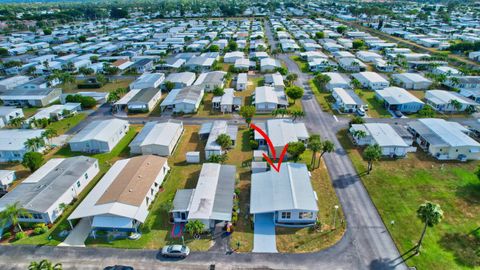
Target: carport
point(264, 234)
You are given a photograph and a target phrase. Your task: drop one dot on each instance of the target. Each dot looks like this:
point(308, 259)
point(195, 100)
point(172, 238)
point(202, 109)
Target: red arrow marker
point(272, 149)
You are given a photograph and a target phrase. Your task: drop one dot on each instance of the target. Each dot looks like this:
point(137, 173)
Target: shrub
point(7, 235)
point(38, 231)
point(253, 144)
point(20, 235)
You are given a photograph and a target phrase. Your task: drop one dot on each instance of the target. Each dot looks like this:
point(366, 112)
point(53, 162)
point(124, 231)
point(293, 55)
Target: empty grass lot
point(398, 187)
point(65, 124)
point(156, 230)
point(113, 85)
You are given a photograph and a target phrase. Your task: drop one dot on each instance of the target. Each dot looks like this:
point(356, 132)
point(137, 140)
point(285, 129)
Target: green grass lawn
point(110, 86)
point(375, 107)
point(398, 187)
point(323, 97)
point(105, 161)
point(156, 230)
point(65, 124)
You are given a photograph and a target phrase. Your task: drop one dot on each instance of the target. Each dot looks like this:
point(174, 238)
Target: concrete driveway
point(78, 235)
point(264, 234)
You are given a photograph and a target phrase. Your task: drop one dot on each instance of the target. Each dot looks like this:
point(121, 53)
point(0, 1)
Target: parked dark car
point(118, 267)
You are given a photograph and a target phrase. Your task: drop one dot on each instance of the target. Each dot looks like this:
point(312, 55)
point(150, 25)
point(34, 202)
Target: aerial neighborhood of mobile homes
point(188, 129)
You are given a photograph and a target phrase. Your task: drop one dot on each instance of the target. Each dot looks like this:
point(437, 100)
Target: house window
point(86, 176)
point(78, 183)
point(286, 215)
point(305, 215)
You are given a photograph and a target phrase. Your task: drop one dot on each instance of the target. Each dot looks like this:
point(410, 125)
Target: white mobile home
point(211, 201)
point(157, 138)
point(12, 143)
point(121, 199)
point(286, 196)
point(391, 143)
point(371, 80)
point(99, 136)
point(412, 81)
point(444, 140)
point(445, 101)
point(59, 181)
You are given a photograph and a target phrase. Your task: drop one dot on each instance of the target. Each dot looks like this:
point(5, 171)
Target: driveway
point(78, 235)
point(264, 234)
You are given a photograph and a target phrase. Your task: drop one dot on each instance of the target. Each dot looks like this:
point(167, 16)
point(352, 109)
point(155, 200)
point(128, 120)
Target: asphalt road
point(368, 239)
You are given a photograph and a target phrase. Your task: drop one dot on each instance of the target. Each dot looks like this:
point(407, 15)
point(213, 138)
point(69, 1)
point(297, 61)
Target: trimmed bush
point(20, 235)
point(253, 144)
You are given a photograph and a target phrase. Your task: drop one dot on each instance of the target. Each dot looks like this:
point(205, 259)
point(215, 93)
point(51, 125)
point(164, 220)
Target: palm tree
point(327, 147)
point(315, 145)
point(430, 214)
point(31, 145)
point(297, 114)
point(17, 122)
point(11, 213)
point(49, 133)
point(372, 153)
point(455, 104)
point(44, 265)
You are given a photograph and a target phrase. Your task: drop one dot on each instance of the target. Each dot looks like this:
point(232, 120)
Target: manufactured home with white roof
point(412, 81)
point(287, 196)
point(211, 202)
point(398, 99)
point(100, 136)
point(12, 143)
point(157, 138)
point(444, 140)
point(385, 136)
point(441, 100)
point(59, 181)
point(121, 199)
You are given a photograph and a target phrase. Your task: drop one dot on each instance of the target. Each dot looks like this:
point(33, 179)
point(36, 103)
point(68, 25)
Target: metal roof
point(445, 97)
point(383, 134)
point(157, 133)
point(213, 195)
point(439, 132)
point(14, 139)
point(144, 95)
point(45, 186)
point(182, 199)
point(100, 130)
point(397, 95)
point(283, 131)
point(289, 189)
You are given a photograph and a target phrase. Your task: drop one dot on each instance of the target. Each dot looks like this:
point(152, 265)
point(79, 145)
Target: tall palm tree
point(44, 265)
point(327, 147)
point(315, 145)
point(430, 214)
point(11, 213)
point(31, 145)
point(49, 133)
